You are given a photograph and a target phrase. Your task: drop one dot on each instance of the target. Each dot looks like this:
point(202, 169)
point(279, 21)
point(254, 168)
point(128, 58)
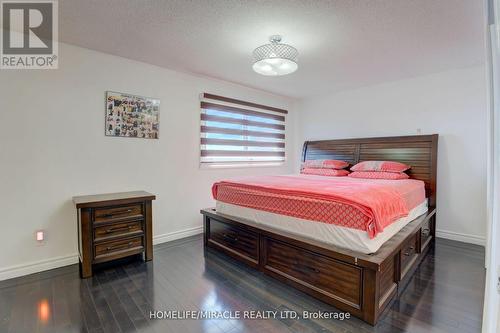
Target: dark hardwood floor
point(445, 295)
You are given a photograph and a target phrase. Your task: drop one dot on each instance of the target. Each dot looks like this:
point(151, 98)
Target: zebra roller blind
point(238, 132)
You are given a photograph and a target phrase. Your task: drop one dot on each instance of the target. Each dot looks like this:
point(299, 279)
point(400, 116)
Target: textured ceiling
point(343, 44)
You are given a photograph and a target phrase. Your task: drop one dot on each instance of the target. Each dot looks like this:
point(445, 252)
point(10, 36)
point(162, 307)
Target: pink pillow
point(379, 175)
point(387, 166)
point(325, 164)
point(324, 172)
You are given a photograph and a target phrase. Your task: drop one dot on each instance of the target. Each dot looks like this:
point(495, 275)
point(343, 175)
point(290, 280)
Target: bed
point(358, 265)
point(326, 221)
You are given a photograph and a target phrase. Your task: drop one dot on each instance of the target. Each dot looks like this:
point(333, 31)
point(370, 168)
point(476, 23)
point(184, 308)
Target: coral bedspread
point(366, 204)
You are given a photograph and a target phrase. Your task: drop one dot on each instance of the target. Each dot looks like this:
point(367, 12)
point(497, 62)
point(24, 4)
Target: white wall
point(452, 104)
point(52, 147)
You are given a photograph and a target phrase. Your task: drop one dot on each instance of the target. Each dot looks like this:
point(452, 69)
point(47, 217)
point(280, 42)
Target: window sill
point(241, 166)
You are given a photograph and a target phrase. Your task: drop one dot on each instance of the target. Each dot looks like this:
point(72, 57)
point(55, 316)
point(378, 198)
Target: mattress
point(344, 237)
point(369, 205)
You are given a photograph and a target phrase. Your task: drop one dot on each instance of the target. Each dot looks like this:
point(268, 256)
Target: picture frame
point(134, 116)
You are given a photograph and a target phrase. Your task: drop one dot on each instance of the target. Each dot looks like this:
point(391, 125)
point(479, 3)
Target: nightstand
point(113, 226)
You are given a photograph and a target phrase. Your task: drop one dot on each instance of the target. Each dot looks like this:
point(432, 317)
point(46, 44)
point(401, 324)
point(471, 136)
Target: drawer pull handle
point(121, 246)
point(426, 231)
point(110, 230)
point(407, 254)
point(315, 270)
point(118, 213)
point(411, 247)
point(230, 238)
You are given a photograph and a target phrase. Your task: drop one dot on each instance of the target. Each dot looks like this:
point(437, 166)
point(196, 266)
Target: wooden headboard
point(418, 151)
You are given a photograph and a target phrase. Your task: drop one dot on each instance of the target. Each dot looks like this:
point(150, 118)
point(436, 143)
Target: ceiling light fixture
point(275, 59)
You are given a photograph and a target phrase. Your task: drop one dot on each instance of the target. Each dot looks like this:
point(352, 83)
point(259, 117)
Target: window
point(237, 132)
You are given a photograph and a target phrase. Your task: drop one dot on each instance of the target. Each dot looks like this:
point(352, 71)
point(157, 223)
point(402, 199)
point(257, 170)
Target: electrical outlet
point(419, 131)
point(40, 237)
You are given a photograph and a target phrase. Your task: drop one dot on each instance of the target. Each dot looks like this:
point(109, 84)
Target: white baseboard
point(472, 239)
point(168, 237)
point(47, 264)
point(36, 267)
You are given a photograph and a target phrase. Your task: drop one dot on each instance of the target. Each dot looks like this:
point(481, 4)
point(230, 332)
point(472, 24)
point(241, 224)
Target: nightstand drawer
point(118, 248)
point(122, 229)
point(110, 214)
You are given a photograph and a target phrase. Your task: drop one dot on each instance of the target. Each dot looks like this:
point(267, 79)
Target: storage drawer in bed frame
point(237, 241)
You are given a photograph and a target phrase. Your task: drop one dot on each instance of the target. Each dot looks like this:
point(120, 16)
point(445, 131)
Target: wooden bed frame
point(358, 283)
